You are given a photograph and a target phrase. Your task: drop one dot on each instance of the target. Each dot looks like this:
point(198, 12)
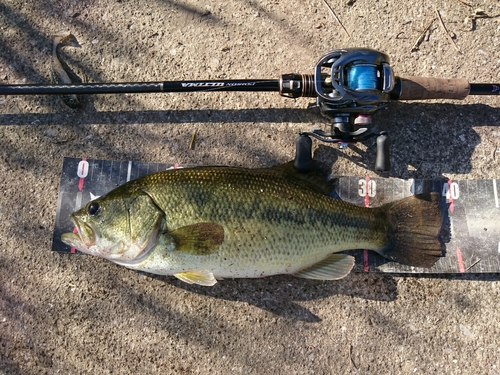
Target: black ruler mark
point(471, 209)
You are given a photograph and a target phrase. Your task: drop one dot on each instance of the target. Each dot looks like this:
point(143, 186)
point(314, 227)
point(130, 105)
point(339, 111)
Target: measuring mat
point(471, 211)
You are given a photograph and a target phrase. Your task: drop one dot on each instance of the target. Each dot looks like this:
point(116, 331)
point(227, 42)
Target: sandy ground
point(75, 314)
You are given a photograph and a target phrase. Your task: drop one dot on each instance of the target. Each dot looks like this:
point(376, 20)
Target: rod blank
point(141, 87)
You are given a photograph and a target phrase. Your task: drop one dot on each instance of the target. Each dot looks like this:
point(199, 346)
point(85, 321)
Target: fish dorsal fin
point(199, 277)
point(199, 238)
point(315, 178)
point(334, 267)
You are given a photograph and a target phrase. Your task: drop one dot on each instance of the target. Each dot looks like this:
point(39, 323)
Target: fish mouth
point(83, 239)
point(73, 240)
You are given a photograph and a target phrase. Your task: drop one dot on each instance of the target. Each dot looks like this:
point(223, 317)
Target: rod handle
point(416, 88)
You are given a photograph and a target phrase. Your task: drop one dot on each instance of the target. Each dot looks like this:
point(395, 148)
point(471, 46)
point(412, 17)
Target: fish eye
point(93, 208)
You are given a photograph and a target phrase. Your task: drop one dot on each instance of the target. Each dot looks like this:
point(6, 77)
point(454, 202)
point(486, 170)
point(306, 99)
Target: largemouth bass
point(207, 223)
point(60, 72)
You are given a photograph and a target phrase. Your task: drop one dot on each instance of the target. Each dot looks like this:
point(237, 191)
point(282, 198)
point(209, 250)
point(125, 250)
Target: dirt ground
point(76, 314)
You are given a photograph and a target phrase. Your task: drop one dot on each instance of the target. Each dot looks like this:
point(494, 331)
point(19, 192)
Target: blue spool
point(362, 77)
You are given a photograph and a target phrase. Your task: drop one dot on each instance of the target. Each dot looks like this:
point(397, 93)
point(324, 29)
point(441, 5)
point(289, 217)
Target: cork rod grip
point(416, 88)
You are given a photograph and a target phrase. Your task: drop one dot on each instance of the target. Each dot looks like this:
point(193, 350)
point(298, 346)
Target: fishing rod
point(349, 85)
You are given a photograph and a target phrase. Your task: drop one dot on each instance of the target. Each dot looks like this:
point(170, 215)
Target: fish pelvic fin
point(199, 277)
point(414, 226)
point(333, 267)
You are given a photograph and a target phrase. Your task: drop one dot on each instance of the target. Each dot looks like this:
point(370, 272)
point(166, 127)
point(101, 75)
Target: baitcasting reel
point(349, 85)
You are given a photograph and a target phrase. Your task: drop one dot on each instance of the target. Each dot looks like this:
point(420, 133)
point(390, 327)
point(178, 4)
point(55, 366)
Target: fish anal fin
point(334, 267)
point(199, 277)
point(199, 238)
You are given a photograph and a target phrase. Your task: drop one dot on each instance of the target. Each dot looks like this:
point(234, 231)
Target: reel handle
point(421, 88)
point(303, 161)
point(383, 162)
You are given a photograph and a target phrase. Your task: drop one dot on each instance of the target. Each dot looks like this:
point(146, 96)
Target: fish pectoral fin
point(201, 277)
point(199, 238)
point(334, 267)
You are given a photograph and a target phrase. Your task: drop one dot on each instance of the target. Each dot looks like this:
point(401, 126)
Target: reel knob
point(382, 161)
point(303, 161)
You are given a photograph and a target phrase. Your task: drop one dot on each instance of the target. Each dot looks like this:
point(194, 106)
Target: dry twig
point(350, 357)
point(478, 13)
point(465, 3)
point(336, 18)
point(191, 144)
point(446, 31)
point(419, 39)
point(495, 150)
point(473, 264)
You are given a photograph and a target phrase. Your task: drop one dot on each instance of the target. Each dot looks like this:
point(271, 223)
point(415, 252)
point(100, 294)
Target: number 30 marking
point(367, 188)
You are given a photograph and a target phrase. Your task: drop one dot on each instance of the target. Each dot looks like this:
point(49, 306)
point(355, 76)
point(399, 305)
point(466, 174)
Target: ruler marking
point(366, 266)
point(119, 173)
point(78, 198)
point(476, 197)
point(129, 171)
point(393, 190)
point(97, 167)
point(450, 199)
point(466, 198)
point(367, 194)
point(460, 261)
point(495, 193)
point(102, 171)
point(91, 169)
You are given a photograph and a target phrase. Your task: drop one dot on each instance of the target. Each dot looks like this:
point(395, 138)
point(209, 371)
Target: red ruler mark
point(450, 195)
point(82, 172)
point(460, 261)
point(366, 266)
point(451, 200)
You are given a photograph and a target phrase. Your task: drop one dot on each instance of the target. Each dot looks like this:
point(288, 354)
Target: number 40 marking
point(450, 190)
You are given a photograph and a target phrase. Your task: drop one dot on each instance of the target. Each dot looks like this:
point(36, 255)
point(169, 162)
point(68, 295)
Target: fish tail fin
point(414, 226)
